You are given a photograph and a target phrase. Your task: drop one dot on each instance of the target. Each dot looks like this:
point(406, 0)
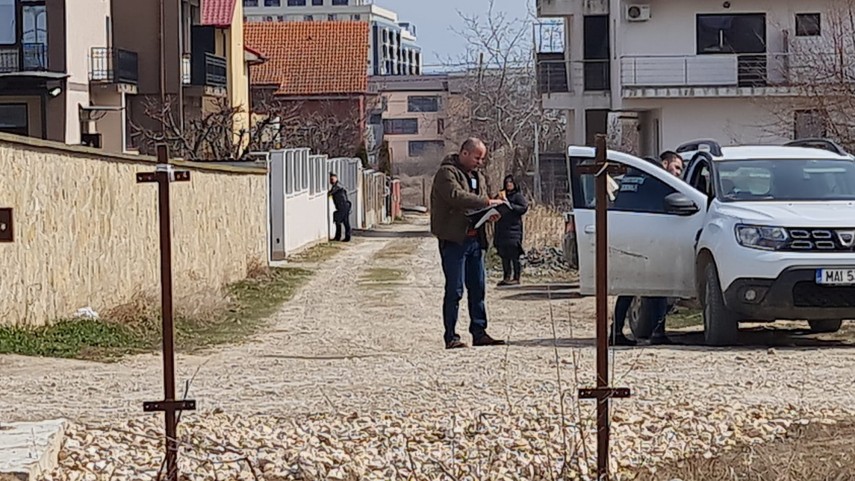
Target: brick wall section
point(86, 234)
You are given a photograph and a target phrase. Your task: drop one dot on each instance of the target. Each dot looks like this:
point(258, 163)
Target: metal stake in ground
point(163, 176)
point(602, 393)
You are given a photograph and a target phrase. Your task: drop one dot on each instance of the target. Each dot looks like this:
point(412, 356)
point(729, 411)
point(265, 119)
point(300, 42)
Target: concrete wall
point(730, 121)
point(86, 234)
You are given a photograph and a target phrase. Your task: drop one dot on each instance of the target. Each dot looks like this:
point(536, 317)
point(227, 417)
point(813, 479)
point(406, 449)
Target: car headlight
point(761, 236)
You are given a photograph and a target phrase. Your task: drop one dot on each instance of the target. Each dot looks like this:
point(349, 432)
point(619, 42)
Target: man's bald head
point(472, 154)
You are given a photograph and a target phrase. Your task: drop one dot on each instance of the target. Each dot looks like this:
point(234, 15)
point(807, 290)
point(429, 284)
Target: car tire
point(639, 319)
point(721, 327)
point(825, 326)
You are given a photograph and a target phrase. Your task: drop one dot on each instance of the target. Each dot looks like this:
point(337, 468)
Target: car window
point(786, 180)
point(701, 178)
point(636, 191)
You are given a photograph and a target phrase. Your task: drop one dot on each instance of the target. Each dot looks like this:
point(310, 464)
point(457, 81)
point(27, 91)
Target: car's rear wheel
point(721, 327)
point(825, 326)
point(639, 319)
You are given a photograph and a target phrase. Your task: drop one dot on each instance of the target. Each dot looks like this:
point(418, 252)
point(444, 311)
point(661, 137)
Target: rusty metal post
point(603, 392)
point(163, 176)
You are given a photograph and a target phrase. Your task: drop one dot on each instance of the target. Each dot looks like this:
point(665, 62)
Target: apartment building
point(413, 115)
point(204, 59)
point(393, 46)
point(61, 77)
point(681, 70)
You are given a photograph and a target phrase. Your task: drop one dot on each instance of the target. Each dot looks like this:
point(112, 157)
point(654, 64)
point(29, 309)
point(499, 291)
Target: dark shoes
point(621, 340)
point(508, 282)
point(484, 340)
point(661, 341)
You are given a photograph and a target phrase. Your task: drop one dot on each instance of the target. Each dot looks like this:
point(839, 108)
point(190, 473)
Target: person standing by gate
point(509, 233)
point(341, 216)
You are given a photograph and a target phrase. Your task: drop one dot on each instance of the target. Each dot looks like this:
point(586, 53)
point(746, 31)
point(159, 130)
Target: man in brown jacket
point(458, 188)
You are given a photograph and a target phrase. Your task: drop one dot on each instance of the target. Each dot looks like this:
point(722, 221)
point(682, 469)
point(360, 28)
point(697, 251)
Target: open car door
point(654, 222)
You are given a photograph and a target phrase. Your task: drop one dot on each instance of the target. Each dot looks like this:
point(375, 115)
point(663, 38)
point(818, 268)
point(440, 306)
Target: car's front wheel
point(721, 327)
point(825, 326)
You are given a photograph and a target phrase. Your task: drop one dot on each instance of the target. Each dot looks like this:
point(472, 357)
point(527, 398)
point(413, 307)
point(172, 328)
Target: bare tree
point(276, 122)
point(820, 72)
point(209, 135)
point(495, 95)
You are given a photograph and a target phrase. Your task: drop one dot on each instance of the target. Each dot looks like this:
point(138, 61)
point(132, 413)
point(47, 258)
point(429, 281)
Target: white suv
point(756, 233)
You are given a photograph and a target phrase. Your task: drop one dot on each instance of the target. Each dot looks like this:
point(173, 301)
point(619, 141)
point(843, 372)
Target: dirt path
point(358, 339)
point(364, 336)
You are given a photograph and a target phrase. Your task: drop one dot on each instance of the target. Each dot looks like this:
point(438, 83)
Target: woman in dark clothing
point(509, 233)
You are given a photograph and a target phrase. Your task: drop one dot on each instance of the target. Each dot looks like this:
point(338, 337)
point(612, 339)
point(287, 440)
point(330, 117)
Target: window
point(332, 17)
point(318, 3)
point(250, 3)
point(294, 3)
point(13, 119)
point(788, 180)
point(637, 191)
point(808, 25)
point(8, 28)
point(375, 119)
point(340, 2)
point(356, 17)
point(423, 103)
point(274, 3)
point(401, 126)
point(419, 148)
point(440, 126)
point(308, 18)
point(808, 124)
point(731, 33)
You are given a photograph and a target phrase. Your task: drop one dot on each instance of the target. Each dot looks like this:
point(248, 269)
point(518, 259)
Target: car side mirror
point(679, 204)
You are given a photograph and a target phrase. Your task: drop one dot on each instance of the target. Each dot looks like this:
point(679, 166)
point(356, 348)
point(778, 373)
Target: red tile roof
point(218, 13)
point(311, 58)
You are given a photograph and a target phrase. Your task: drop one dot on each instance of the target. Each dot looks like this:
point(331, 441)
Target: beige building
point(60, 77)
point(413, 116)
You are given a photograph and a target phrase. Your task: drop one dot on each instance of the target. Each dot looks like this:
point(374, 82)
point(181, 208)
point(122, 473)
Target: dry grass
point(814, 452)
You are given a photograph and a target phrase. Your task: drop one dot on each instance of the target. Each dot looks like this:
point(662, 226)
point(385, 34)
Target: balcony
point(209, 70)
point(553, 74)
point(113, 65)
point(705, 75)
point(29, 57)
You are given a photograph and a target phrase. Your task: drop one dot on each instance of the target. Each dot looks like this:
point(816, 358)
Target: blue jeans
point(658, 310)
point(463, 266)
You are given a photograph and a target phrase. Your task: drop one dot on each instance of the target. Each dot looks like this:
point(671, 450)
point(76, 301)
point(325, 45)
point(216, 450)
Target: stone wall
point(86, 234)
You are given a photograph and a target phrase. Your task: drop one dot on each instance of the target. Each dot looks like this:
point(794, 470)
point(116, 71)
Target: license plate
point(835, 277)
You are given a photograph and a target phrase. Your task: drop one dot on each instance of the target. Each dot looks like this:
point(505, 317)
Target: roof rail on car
point(709, 145)
point(818, 143)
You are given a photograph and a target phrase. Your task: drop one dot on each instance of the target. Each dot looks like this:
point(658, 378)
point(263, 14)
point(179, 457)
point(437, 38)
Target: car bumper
point(793, 295)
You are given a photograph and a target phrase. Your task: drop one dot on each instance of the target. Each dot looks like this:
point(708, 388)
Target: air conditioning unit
point(637, 13)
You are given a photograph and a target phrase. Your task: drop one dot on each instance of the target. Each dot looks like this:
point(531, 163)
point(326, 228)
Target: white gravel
point(351, 382)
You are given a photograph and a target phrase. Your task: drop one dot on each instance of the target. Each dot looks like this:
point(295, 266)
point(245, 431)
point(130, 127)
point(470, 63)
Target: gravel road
point(351, 381)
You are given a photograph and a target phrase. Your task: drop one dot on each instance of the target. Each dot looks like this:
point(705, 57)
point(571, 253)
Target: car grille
point(808, 294)
point(823, 240)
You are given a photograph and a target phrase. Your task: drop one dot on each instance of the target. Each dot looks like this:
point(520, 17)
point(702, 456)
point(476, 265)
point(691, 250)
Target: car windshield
point(786, 180)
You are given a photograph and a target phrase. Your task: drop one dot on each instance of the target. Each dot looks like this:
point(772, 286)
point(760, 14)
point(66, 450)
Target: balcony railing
point(28, 57)
point(114, 65)
point(553, 74)
point(210, 70)
point(749, 70)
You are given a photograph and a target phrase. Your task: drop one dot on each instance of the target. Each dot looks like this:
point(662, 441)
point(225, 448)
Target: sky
point(435, 19)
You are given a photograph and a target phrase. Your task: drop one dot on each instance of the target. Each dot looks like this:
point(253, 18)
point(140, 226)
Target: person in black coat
point(341, 216)
point(509, 233)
